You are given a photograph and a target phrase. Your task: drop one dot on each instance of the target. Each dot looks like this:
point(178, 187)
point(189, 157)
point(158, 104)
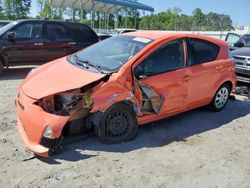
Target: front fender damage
point(86, 109)
point(142, 99)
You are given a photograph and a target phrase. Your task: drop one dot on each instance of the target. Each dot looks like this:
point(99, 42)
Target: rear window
point(201, 51)
point(82, 33)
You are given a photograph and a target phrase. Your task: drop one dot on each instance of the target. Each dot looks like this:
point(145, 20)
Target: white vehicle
point(119, 31)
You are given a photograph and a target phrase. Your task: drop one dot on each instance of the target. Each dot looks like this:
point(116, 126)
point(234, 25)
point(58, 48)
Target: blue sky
point(239, 10)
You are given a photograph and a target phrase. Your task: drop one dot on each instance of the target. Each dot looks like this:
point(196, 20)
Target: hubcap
point(221, 97)
point(118, 124)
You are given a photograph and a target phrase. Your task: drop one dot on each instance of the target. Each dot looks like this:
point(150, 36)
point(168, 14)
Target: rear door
point(27, 45)
point(205, 70)
point(82, 35)
point(57, 40)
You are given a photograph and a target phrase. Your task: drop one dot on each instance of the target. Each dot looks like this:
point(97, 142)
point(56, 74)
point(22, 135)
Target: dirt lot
point(194, 149)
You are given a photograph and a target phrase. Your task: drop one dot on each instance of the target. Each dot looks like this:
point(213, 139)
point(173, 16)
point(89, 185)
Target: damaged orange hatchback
point(120, 83)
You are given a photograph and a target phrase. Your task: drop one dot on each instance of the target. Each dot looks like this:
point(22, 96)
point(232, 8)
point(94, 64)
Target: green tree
point(174, 19)
point(22, 8)
point(17, 9)
point(45, 9)
point(199, 19)
point(2, 16)
point(9, 13)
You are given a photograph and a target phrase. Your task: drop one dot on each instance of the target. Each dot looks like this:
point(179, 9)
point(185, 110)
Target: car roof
point(46, 20)
point(157, 35)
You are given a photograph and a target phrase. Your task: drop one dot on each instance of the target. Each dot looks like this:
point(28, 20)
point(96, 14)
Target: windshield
point(109, 55)
point(246, 38)
point(6, 28)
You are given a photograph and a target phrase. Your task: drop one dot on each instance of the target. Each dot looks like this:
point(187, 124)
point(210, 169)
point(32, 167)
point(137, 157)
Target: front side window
point(201, 51)
point(28, 31)
point(167, 58)
point(232, 39)
point(112, 53)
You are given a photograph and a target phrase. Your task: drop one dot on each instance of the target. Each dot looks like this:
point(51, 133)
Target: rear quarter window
point(82, 33)
point(201, 51)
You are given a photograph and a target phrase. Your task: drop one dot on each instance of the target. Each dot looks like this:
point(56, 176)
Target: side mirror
point(142, 76)
point(239, 44)
point(140, 72)
point(10, 35)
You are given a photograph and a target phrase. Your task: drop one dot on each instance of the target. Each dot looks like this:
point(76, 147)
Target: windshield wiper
point(87, 63)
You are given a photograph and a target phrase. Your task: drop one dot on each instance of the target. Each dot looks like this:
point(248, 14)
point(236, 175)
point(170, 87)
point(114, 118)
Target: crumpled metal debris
point(155, 99)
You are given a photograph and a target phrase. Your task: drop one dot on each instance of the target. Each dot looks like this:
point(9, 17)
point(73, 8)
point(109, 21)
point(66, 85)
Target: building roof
point(102, 5)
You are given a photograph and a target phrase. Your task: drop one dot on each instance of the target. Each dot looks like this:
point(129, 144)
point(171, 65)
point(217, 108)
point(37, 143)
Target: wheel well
point(230, 84)
point(1, 59)
point(130, 104)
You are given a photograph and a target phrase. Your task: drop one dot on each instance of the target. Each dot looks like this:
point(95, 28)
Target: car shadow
point(161, 133)
point(16, 73)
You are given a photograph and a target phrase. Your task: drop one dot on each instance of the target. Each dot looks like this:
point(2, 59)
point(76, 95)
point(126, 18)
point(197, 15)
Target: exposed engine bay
point(72, 103)
point(76, 104)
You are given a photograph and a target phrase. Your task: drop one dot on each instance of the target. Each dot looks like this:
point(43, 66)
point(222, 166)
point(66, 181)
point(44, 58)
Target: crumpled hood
point(55, 77)
point(244, 51)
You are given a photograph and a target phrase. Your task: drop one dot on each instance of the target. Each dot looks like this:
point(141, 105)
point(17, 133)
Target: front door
point(26, 45)
point(164, 71)
point(234, 41)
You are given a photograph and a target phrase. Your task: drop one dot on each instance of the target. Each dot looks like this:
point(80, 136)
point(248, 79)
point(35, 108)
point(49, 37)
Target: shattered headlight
point(72, 103)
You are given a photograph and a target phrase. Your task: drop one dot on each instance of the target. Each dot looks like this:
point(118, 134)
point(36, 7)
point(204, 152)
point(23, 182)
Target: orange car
point(120, 83)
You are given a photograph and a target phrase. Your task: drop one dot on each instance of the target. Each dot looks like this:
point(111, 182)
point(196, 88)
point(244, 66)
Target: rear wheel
point(220, 98)
point(1, 67)
point(118, 124)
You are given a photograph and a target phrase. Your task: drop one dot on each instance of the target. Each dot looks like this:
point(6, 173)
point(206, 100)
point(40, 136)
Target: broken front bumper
point(32, 121)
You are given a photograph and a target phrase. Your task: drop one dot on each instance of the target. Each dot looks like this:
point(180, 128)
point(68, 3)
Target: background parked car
point(103, 36)
point(236, 41)
point(240, 49)
point(119, 31)
point(4, 22)
point(36, 41)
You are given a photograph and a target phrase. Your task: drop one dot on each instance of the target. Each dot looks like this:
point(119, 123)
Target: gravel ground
point(194, 149)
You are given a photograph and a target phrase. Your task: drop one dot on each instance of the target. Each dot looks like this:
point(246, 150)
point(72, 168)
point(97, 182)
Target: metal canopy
point(108, 6)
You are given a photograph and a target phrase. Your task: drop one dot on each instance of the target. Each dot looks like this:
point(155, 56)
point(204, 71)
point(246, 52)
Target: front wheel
point(220, 98)
point(118, 124)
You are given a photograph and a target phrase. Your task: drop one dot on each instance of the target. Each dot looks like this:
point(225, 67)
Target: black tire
point(1, 67)
point(220, 98)
point(118, 124)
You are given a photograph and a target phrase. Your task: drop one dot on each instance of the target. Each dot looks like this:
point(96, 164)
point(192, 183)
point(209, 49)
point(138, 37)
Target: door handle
point(186, 77)
point(71, 43)
point(38, 44)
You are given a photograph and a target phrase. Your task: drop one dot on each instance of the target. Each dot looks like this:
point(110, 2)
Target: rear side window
point(201, 51)
point(55, 31)
point(82, 33)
